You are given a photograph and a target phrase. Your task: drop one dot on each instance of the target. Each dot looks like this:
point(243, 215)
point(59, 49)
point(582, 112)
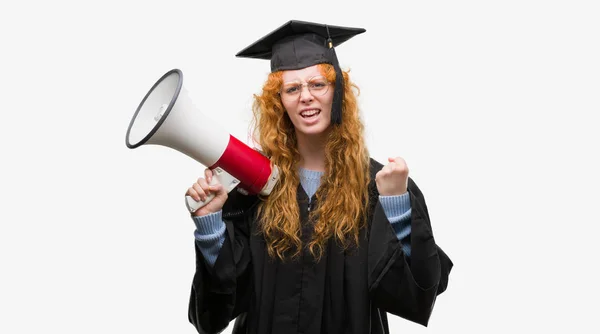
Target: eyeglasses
point(317, 86)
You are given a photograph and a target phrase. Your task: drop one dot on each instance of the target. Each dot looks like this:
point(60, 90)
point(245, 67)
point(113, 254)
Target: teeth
point(309, 113)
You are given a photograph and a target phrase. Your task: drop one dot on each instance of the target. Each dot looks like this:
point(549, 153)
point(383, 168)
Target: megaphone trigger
point(219, 177)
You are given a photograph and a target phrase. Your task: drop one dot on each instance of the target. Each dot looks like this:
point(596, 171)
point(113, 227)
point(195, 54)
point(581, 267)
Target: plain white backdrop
point(493, 104)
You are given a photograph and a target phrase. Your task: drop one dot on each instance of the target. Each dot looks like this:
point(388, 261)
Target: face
point(310, 112)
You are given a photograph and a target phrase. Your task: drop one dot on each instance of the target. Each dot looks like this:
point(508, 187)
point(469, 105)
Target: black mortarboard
point(299, 44)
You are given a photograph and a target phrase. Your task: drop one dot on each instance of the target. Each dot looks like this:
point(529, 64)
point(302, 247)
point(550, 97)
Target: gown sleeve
point(406, 287)
point(220, 293)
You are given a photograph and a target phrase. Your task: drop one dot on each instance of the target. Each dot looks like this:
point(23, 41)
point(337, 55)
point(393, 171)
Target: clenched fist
point(392, 179)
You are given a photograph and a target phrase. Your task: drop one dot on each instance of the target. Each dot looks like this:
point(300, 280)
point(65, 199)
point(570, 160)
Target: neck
point(312, 151)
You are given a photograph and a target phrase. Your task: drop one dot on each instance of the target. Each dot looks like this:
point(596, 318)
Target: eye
point(318, 84)
point(291, 89)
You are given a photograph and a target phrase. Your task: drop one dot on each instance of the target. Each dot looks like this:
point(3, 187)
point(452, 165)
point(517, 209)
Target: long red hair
point(343, 193)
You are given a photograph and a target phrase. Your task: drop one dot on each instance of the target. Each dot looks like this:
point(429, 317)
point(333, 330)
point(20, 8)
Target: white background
point(493, 104)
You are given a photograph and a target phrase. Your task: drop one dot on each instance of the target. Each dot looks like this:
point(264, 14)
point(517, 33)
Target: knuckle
point(198, 189)
point(398, 169)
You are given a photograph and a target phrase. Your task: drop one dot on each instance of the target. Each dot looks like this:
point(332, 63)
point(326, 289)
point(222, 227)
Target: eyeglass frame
point(302, 85)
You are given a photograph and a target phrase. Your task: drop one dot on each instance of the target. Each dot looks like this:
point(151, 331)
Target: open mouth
point(310, 113)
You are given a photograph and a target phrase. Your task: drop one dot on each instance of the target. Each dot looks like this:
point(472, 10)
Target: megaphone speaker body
point(168, 117)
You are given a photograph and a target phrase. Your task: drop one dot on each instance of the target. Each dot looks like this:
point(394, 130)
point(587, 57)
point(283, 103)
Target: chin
point(313, 131)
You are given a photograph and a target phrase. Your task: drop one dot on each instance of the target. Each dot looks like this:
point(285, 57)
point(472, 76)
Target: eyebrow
point(298, 80)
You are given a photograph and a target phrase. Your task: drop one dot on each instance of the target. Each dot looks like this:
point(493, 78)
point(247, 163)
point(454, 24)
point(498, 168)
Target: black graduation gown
point(346, 292)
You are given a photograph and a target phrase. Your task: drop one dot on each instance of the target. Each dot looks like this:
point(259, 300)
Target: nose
point(305, 95)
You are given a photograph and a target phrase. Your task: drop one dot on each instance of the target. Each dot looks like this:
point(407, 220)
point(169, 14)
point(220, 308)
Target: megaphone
point(167, 117)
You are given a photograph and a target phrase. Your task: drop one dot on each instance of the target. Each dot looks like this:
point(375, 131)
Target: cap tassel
point(338, 92)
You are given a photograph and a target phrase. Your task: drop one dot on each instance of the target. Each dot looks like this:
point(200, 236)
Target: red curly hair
point(343, 193)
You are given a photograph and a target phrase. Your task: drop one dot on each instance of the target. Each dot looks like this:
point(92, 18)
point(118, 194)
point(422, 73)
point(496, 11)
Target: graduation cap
point(299, 44)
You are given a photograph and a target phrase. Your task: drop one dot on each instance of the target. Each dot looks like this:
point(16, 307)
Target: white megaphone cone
point(167, 117)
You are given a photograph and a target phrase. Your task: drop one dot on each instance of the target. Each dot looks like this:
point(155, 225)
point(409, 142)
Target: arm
point(396, 287)
point(210, 235)
point(398, 212)
point(220, 292)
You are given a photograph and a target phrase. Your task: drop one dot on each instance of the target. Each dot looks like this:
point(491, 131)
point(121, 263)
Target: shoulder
point(374, 167)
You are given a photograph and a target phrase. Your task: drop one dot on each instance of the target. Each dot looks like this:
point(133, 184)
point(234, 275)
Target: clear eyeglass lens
point(317, 86)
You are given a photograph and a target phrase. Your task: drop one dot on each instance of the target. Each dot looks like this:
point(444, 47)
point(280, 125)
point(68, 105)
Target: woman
point(341, 240)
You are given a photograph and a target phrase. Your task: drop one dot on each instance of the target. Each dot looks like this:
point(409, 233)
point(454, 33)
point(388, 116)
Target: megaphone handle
point(219, 176)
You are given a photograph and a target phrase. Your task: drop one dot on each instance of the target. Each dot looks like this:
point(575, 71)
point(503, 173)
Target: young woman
point(341, 240)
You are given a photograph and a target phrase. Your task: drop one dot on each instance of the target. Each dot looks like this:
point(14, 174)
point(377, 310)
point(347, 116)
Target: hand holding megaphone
point(212, 179)
point(168, 117)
